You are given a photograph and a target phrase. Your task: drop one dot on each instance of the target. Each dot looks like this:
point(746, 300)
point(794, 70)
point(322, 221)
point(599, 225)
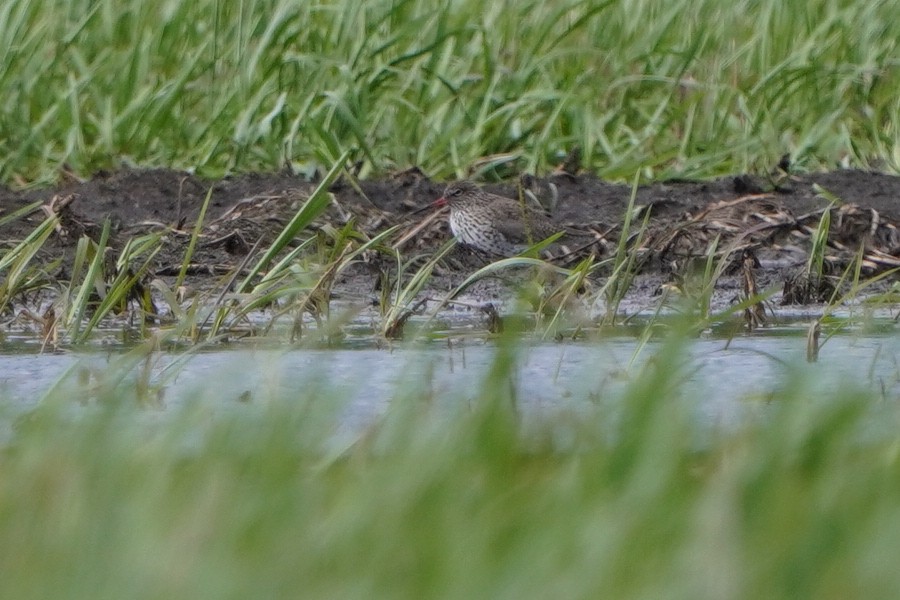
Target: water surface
point(722, 380)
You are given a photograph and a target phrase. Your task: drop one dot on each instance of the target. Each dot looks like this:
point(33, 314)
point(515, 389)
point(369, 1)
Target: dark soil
point(771, 216)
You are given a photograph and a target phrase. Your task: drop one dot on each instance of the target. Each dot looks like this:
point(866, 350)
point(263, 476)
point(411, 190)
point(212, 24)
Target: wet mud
point(774, 217)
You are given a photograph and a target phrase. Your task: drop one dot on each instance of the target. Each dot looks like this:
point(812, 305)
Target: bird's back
point(521, 224)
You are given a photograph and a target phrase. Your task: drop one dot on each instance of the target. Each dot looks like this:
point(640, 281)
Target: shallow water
point(723, 381)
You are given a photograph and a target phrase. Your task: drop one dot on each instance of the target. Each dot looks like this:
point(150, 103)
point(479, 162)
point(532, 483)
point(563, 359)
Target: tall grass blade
point(92, 279)
point(14, 263)
point(312, 208)
point(195, 235)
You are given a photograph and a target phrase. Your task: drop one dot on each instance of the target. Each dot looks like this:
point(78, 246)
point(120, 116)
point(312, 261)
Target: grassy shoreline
point(303, 272)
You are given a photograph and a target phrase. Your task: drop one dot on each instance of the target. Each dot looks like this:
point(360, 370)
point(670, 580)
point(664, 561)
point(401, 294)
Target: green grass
point(635, 498)
point(207, 500)
point(668, 88)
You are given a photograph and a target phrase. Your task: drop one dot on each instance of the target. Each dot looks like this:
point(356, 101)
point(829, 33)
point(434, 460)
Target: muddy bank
point(772, 216)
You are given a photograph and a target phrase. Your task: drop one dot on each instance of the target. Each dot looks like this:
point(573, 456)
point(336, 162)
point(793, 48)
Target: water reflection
point(722, 380)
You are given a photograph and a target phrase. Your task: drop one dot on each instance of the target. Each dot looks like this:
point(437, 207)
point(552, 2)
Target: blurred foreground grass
point(110, 500)
point(668, 87)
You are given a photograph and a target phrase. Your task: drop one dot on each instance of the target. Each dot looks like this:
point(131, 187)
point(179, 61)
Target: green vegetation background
point(688, 88)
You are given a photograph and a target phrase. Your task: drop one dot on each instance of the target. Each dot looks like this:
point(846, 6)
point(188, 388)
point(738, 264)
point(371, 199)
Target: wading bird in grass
point(495, 224)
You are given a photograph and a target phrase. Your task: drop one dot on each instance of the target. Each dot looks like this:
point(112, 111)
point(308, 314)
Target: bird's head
point(456, 191)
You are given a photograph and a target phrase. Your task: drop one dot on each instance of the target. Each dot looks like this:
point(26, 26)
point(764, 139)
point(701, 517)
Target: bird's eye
point(456, 191)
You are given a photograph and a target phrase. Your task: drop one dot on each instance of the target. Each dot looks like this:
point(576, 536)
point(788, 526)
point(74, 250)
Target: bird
point(493, 224)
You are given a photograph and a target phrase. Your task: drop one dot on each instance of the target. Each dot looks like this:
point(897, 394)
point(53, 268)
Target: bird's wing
point(522, 224)
point(513, 231)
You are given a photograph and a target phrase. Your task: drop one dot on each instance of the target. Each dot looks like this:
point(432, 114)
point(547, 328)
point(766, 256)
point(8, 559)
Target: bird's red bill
point(442, 201)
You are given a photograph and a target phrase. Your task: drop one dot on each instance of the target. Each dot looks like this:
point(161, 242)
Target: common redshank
point(493, 224)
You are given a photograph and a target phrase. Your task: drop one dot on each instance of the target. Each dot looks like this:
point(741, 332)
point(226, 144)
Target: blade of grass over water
point(500, 265)
point(122, 287)
point(92, 279)
point(403, 295)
